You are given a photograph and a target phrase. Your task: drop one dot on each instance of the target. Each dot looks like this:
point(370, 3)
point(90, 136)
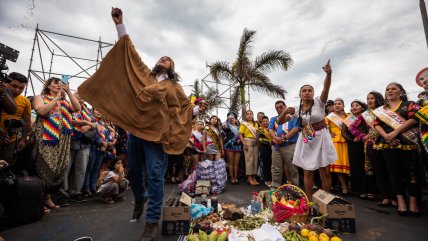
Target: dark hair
point(47, 83)
point(362, 104)
point(246, 112)
point(18, 77)
point(280, 102)
point(309, 111)
point(31, 99)
point(218, 121)
point(329, 102)
point(112, 162)
point(172, 75)
point(379, 100)
point(343, 103)
point(341, 100)
point(260, 113)
point(265, 118)
point(306, 85)
point(403, 97)
point(232, 113)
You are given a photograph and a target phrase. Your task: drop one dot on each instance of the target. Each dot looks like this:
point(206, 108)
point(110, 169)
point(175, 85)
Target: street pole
point(424, 18)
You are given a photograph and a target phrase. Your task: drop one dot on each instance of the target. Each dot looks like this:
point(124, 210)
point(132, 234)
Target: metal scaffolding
point(42, 67)
point(224, 92)
point(44, 43)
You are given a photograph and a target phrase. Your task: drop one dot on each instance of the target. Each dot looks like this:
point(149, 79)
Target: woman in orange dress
point(335, 123)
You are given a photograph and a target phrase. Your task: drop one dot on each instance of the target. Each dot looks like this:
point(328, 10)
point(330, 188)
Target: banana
point(274, 199)
point(222, 236)
point(192, 237)
point(203, 236)
point(213, 236)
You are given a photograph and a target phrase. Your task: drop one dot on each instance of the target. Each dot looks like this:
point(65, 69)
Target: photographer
point(7, 104)
point(11, 124)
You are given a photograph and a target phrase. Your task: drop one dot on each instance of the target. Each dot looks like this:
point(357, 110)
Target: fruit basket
point(290, 203)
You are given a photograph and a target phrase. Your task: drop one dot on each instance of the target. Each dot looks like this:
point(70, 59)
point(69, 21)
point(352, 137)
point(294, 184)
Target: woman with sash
point(375, 163)
point(314, 147)
point(360, 184)
point(52, 130)
point(232, 145)
point(398, 142)
point(335, 122)
point(362, 129)
point(248, 136)
point(265, 141)
point(197, 141)
point(213, 139)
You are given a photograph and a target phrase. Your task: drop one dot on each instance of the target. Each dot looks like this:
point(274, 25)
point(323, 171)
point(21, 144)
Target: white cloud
point(370, 43)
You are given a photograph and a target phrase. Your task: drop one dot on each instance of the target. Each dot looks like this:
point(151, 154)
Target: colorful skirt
point(232, 145)
point(342, 163)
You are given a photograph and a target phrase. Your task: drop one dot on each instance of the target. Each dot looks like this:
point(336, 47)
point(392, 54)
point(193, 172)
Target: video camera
point(6, 53)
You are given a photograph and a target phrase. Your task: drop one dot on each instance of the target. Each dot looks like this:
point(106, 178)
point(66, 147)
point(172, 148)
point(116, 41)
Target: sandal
point(50, 204)
point(370, 197)
point(364, 196)
point(46, 210)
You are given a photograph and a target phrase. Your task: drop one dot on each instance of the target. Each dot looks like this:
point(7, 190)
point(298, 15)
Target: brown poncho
point(126, 92)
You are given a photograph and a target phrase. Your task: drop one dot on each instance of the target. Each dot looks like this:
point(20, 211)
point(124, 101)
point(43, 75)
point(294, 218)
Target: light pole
point(424, 18)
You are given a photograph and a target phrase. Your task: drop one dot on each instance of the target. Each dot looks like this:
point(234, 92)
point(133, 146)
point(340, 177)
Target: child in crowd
point(112, 182)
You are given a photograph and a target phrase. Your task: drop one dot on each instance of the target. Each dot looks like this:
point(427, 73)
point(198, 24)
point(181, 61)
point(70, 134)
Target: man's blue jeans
point(147, 164)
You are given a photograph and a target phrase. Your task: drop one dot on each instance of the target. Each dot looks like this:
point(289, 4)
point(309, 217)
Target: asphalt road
point(105, 222)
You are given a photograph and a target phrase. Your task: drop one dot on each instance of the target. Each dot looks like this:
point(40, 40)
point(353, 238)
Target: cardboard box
point(341, 213)
point(176, 216)
point(334, 206)
point(344, 225)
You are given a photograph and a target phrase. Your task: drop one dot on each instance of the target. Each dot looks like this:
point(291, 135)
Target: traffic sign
point(420, 76)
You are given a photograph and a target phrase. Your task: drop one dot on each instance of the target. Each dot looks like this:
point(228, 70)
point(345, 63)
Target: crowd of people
point(66, 144)
point(380, 147)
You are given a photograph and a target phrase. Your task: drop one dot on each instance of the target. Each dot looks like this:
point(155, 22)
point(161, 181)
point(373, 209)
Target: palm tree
point(210, 95)
point(245, 72)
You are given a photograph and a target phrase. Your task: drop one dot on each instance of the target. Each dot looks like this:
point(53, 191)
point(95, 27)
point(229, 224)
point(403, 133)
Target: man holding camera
point(11, 124)
point(284, 139)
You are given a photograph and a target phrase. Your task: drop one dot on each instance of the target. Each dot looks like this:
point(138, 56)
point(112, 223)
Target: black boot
point(150, 232)
point(138, 210)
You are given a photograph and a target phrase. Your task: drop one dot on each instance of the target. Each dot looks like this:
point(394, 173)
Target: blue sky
point(370, 43)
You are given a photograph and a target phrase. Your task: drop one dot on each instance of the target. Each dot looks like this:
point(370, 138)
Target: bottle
point(192, 195)
point(255, 204)
point(214, 202)
point(204, 199)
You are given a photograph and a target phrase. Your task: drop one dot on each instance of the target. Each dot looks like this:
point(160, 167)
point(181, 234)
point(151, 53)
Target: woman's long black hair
point(379, 100)
point(309, 111)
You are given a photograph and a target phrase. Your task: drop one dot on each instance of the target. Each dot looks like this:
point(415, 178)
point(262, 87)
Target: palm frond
point(262, 83)
point(271, 60)
point(196, 89)
point(214, 101)
point(244, 52)
point(221, 70)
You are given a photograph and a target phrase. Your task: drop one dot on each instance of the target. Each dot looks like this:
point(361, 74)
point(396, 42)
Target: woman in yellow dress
point(335, 122)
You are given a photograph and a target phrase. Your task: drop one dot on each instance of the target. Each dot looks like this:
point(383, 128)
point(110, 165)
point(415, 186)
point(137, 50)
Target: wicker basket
point(291, 192)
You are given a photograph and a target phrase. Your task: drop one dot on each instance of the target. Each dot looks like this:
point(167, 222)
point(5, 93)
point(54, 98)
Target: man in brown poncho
point(153, 107)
